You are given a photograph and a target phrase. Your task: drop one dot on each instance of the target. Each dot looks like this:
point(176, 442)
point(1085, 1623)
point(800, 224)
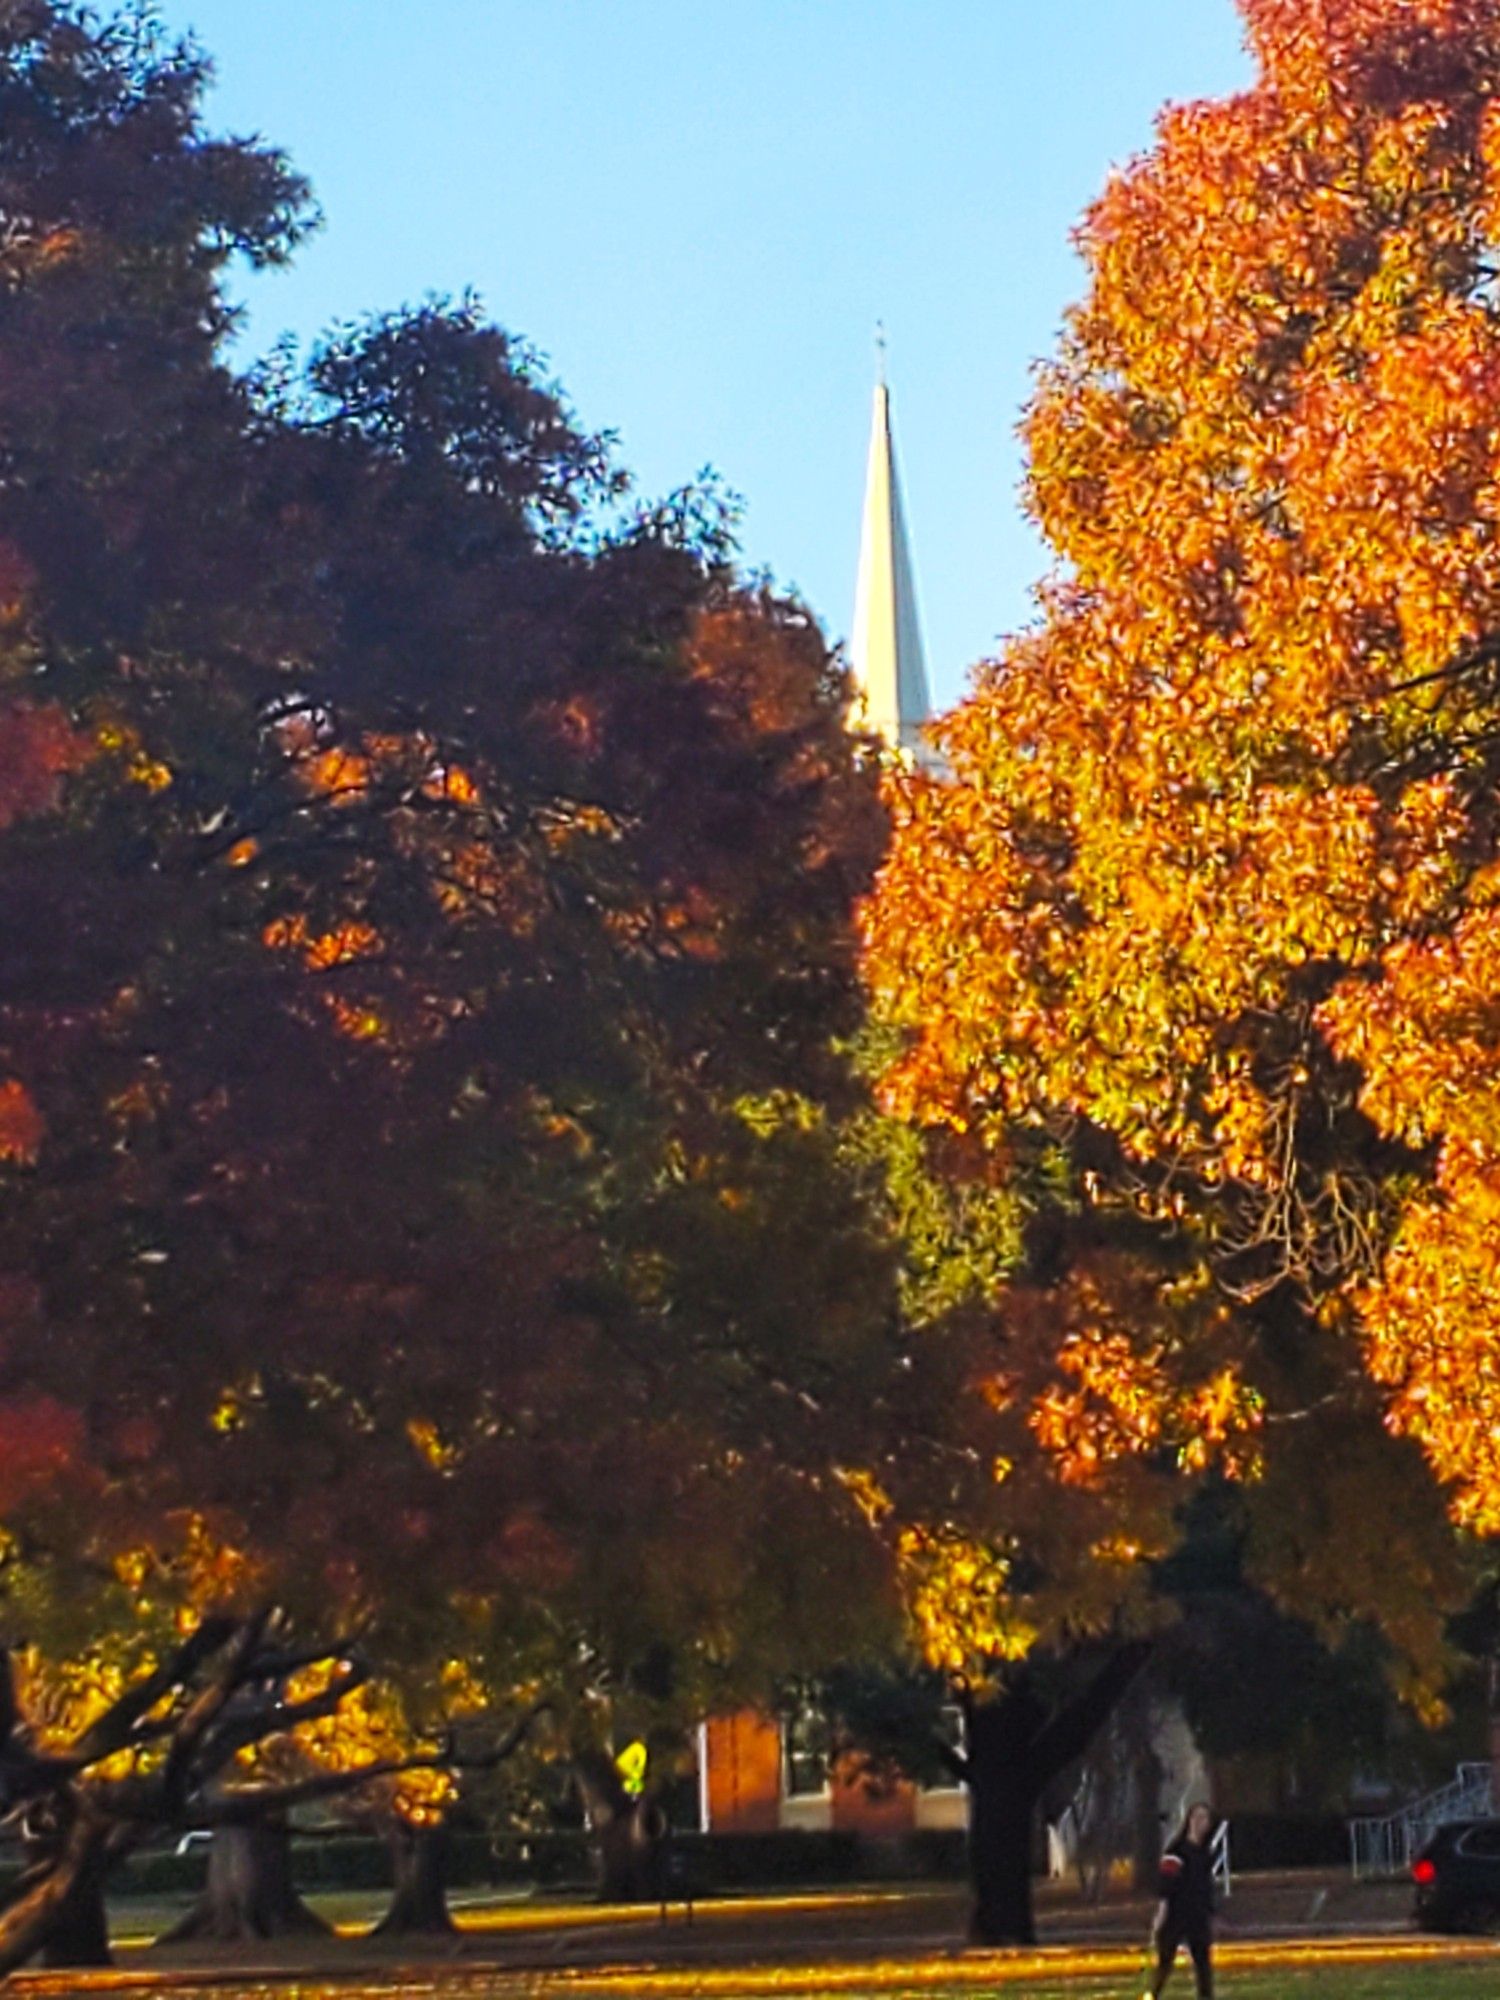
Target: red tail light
point(1424, 1872)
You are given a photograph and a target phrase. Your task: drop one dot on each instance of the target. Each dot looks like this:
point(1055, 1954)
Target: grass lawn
point(1349, 1969)
point(1465, 1975)
point(1099, 1976)
point(1415, 1981)
point(862, 1944)
point(1411, 1981)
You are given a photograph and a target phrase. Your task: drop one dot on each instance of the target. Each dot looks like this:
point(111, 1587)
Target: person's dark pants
point(1196, 1938)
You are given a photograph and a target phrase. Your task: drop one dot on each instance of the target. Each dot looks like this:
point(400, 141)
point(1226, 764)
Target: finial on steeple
point(880, 352)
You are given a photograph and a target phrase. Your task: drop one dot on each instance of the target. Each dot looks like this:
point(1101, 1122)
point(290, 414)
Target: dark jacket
point(1187, 1883)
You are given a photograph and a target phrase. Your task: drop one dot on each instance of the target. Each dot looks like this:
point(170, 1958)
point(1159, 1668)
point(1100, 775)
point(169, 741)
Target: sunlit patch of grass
point(1354, 1969)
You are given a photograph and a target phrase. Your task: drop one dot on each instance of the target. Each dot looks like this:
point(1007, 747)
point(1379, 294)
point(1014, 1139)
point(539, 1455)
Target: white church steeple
point(886, 646)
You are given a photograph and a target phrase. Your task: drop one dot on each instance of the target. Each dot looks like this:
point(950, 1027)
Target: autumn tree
point(405, 1192)
point(89, 1778)
point(1204, 900)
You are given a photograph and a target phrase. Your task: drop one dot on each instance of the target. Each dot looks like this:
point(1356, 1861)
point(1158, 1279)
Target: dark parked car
point(1458, 1877)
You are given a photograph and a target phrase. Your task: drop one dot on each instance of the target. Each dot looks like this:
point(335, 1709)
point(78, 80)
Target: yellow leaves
point(214, 1570)
point(1399, 161)
point(867, 1493)
point(690, 924)
point(124, 743)
point(229, 1413)
point(133, 1567)
point(463, 1692)
point(1216, 1421)
point(776, 1111)
point(959, 1601)
point(441, 1454)
point(1429, 1328)
point(286, 934)
point(370, 1726)
point(339, 947)
point(1242, 1127)
point(64, 1698)
point(150, 772)
point(424, 1798)
point(1094, 981)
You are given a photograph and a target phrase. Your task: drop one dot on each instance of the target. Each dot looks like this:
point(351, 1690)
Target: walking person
point(1185, 1914)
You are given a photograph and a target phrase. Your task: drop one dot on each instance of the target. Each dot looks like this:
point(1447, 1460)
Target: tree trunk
point(249, 1893)
point(629, 1832)
point(1002, 1807)
point(1146, 1842)
point(419, 1870)
point(1016, 1744)
point(79, 1935)
point(78, 1929)
point(43, 1904)
point(628, 1871)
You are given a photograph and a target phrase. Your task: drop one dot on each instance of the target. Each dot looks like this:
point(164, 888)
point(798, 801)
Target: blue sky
point(699, 208)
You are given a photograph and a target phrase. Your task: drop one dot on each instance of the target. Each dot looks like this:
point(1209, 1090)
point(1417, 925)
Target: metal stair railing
point(1389, 1845)
point(1219, 1848)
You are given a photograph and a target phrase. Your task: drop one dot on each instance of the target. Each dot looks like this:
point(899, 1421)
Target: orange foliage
point(1112, 1378)
point(22, 1126)
point(38, 748)
point(1224, 823)
point(340, 775)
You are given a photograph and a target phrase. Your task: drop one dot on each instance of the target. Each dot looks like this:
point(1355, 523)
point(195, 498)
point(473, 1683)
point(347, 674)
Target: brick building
point(768, 1774)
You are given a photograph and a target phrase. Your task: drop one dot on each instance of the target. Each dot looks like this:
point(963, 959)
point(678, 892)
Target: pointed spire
point(886, 647)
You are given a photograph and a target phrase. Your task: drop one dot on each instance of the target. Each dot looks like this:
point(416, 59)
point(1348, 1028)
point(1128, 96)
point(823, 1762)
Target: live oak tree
point(1205, 897)
point(428, 881)
point(167, 1751)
